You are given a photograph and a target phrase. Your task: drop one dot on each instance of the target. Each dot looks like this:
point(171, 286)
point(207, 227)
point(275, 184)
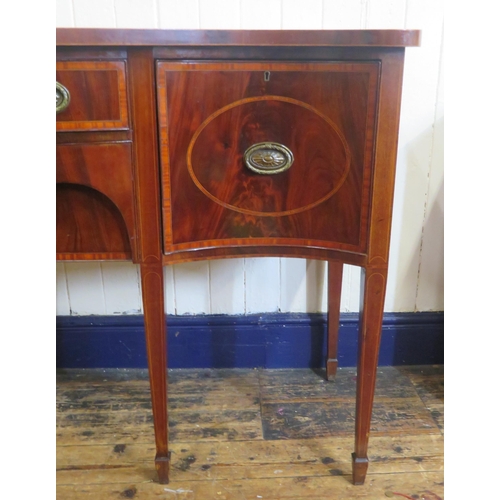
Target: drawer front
point(91, 95)
point(266, 153)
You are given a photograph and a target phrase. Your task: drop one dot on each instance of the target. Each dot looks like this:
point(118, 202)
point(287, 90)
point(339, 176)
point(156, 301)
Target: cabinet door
point(94, 201)
point(266, 153)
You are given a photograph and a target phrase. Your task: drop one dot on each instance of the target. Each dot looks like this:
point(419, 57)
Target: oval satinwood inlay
point(269, 133)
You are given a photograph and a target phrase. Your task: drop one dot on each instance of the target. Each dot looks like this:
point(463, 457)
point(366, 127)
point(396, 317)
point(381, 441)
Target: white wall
point(234, 286)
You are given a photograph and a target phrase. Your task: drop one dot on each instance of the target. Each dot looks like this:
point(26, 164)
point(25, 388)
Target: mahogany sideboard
point(175, 146)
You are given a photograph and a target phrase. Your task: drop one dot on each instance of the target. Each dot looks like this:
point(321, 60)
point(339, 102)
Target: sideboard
point(174, 146)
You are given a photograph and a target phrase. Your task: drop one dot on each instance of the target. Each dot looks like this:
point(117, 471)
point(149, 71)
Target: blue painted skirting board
point(270, 341)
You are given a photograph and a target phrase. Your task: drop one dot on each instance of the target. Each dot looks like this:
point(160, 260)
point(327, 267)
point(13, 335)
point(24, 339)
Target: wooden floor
point(249, 434)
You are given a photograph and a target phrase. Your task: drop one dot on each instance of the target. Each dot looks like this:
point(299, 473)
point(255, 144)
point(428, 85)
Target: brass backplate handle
point(62, 97)
point(268, 158)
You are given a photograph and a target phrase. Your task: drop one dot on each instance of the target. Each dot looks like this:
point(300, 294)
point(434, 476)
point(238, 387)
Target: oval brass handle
point(62, 97)
point(268, 158)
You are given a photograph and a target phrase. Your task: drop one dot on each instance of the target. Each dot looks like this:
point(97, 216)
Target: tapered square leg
point(335, 270)
point(373, 282)
point(156, 345)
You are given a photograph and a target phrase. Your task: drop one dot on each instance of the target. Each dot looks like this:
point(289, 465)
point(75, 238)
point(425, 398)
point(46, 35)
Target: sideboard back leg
point(373, 282)
point(335, 270)
point(156, 345)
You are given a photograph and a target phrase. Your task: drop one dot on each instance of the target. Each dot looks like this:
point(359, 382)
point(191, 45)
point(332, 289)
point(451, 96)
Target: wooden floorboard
point(245, 434)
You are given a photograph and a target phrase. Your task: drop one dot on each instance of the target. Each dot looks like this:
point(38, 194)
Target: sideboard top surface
point(313, 38)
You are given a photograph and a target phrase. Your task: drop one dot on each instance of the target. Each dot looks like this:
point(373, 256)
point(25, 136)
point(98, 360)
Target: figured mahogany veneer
point(95, 201)
point(98, 95)
point(151, 166)
point(324, 113)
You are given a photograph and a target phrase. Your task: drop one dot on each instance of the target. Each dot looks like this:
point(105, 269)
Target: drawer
point(94, 202)
point(91, 95)
point(266, 153)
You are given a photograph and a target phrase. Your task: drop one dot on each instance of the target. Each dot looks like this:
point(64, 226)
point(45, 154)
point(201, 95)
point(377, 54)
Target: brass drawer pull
point(62, 97)
point(268, 158)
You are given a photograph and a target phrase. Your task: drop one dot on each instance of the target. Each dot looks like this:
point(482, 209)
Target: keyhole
point(267, 75)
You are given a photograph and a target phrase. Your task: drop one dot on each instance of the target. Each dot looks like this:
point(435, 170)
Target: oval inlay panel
point(216, 164)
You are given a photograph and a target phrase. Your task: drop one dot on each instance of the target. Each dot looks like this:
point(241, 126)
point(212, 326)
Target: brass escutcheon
point(268, 158)
point(62, 97)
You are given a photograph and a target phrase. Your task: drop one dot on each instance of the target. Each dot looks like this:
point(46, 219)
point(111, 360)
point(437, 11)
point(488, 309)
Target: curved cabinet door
point(266, 153)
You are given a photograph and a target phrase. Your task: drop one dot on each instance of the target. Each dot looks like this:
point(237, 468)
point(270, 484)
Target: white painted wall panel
point(262, 285)
point(414, 153)
point(64, 13)
point(298, 14)
point(85, 288)
point(169, 286)
point(385, 14)
point(261, 14)
point(350, 289)
point(219, 14)
point(134, 14)
point(227, 286)
point(62, 299)
point(94, 13)
point(121, 288)
point(430, 291)
point(192, 287)
point(293, 285)
point(231, 286)
point(179, 15)
point(343, 14)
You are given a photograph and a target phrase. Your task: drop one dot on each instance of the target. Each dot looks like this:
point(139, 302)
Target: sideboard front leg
point(156, 345)
point(335, 270)
point(373, 282)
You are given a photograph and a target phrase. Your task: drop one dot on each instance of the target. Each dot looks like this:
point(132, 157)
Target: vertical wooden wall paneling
point(430, 285)
point(252, 18)
point(85, 288)
point(262, 285)
point(170, 296)
point(414, 153)
point(192, 287)
point(293, 285)
point(302, 285)
point(94, 13)
point(62, 299)
point(121, 288)
point(385, 14)
point(298, 14)
point(64, 13)
point(133, 14)
point(343, 14)
point(227, 286)
point(179, 15)
point(223, 14)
